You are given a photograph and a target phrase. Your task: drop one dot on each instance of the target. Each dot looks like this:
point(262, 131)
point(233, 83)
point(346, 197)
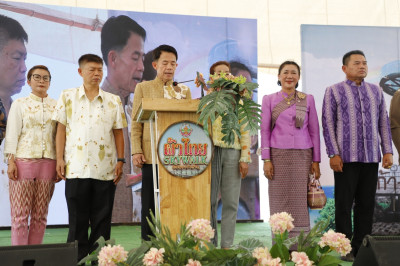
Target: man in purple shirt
point(355, 123)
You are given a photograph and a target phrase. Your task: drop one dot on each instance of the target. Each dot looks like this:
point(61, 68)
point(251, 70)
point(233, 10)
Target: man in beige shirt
point(164, 62)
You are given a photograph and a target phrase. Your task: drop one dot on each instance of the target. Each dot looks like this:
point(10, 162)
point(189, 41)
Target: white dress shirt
point(90, 150)
point(30, 130)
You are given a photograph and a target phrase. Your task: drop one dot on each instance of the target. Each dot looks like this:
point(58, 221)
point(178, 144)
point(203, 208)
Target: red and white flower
point(336, 241)
point(301, 259)
point(280, 222)
point(111, 255)
point(201, 229)
point(154, 257)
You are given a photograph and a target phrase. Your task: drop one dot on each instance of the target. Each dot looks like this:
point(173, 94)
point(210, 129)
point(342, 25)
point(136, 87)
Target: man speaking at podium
point(164, 62)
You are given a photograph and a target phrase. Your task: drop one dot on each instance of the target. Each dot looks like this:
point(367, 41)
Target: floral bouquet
point(312, 249)
point(192, 247)
point(281, 224)
point(229, 97)
point(201, 230)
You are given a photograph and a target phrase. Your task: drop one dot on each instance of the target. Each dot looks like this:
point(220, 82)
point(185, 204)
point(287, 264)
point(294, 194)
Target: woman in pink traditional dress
point(31, 154)
point(290, 146)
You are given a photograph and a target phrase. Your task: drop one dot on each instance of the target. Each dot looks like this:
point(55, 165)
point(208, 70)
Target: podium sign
point(185, 150)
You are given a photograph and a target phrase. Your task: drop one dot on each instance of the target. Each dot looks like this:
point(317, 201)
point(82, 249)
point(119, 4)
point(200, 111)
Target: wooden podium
point(178, 200)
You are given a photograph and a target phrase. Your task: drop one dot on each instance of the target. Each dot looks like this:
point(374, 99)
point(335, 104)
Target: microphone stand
point(175, 83)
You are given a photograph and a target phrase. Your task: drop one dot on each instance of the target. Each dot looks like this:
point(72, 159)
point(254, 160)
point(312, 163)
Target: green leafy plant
point(187, 247)
point(279, 249)
point(309, 243)
point(319, 246)
point(135, 256)
point(384, 205)
point(177, 252)
point(230, 98)
point(328, 214)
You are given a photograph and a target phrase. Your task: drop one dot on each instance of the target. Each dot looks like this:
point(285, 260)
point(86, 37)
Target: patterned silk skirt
point(288, 189)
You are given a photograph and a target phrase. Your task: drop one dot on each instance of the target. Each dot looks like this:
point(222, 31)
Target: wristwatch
point(332, 155)
point(121, 160)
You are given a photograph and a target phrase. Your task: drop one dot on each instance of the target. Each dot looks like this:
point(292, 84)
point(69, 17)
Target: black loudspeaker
point(40, 255)
point(379, 251)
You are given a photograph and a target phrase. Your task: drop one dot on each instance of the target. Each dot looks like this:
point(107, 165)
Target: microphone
point(176, 82)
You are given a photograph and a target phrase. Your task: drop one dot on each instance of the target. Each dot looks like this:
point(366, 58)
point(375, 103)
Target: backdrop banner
point(322, 50)
point(59, 35)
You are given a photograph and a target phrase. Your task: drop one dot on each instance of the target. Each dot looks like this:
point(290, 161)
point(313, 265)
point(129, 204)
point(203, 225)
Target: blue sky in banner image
point(324, 46)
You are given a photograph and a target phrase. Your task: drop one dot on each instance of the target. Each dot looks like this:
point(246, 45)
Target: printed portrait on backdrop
point(13, 69)
point(122, 47)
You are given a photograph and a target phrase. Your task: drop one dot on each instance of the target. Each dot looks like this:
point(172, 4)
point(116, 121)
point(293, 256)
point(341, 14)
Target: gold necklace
point(288, 99)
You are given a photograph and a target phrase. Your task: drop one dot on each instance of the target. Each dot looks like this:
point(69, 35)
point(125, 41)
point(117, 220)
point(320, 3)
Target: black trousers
point(356, 184)
point(147, 200)
point(89, 202)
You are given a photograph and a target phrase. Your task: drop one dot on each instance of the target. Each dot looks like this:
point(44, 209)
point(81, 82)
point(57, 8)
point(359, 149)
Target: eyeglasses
point(38, 77)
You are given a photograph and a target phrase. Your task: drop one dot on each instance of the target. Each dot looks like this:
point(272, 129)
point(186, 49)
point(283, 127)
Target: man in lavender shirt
point(355, 123)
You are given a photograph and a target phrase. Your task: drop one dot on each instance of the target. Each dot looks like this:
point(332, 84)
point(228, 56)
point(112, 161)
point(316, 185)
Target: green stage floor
point(128, 236)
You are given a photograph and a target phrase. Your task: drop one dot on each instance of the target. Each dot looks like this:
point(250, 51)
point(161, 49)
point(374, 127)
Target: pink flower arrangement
point(201, 229)
point(110, 255)
point(301, 259)
point(154, 257)
point(280, 222)
point(192, 262)
point(336, 241)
